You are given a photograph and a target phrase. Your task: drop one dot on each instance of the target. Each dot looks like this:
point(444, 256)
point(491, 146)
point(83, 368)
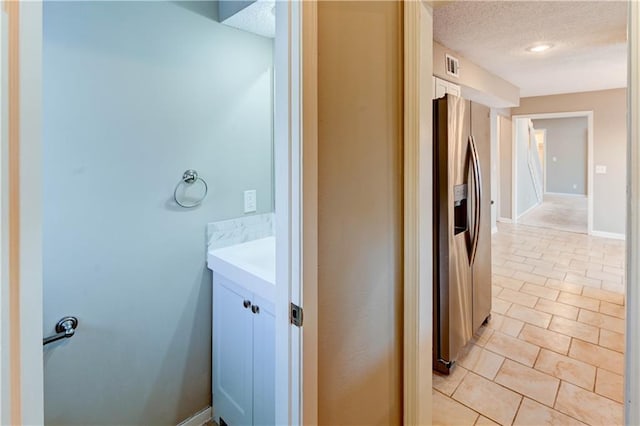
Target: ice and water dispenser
point(460, 203)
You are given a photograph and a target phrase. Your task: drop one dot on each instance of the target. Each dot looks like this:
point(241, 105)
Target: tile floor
point(565, 213)
point(552, 353)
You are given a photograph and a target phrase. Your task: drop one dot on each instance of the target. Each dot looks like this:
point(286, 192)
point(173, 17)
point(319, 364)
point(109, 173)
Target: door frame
point(632, 353)
point(296, 184)
point(21, 331)
point(418, 200)
point(590, 162)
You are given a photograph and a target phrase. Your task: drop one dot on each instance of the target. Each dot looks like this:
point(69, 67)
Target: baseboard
point(612, 235)
point(505, 220)
point(199, 418)
point(562, 194)
point(529, 209)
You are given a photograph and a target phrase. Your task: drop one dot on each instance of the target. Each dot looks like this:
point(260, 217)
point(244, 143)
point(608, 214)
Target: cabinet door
point(232, 353)
point(264, 362)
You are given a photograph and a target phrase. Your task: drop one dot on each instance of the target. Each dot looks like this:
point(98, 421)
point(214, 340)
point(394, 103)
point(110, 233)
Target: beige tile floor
point(562, 212)
point(552, 353)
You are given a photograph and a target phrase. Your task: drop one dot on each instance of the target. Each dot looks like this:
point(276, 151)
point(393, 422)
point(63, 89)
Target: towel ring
point(190, 177)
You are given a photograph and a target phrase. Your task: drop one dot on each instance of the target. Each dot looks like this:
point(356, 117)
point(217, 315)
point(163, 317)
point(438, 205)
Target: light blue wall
point(134, 94)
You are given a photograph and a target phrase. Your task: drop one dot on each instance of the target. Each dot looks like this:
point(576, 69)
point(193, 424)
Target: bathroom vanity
point(244, 332)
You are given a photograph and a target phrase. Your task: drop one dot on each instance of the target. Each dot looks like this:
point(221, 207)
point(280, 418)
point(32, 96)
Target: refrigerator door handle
point(477, 177)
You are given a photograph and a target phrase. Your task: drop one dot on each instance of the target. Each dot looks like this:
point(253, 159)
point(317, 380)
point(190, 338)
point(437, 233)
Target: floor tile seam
point(527, 322)
point(600, 327)
point(568, 381)
point(565, 413)
point(459, 402)
point(511, 301)
point(542, 347)
point(544, 287)
point(604, 396)
point(568, 335)
point(494, 382)
point(603, 347)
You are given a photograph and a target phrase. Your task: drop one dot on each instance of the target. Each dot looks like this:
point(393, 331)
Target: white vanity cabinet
point(243, 355)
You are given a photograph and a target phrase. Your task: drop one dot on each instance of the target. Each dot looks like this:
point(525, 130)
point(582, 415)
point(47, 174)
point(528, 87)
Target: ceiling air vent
point(453, 65)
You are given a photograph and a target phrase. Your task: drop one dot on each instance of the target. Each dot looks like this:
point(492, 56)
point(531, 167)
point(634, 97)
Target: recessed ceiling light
point(539, 48)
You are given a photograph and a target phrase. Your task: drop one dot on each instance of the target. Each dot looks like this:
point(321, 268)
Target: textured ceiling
point(257, 18)
point(589, 39)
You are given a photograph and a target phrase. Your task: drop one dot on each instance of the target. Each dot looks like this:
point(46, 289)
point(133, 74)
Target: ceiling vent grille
point(453, 65)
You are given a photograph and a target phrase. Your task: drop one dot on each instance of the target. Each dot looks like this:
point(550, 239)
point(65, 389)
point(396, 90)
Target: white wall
point(526, 192)
point(134, 94)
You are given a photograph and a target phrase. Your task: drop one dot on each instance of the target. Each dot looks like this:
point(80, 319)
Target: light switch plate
point(601, 170)
point(250, 201)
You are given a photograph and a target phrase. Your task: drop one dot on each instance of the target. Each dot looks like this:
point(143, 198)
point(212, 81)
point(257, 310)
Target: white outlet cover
point(601, 170)
point(250, 201)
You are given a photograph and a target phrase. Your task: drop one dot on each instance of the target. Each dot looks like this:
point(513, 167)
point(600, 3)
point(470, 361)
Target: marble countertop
point(251, 265)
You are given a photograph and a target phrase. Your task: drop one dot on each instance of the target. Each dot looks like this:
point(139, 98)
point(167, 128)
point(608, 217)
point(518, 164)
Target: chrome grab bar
point(65, 328)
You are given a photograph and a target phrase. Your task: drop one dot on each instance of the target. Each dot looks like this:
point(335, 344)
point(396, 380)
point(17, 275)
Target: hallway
point(553, 350)
point(561, 212)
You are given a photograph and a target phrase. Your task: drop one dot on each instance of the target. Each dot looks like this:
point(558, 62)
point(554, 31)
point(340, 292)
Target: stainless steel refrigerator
point(462, 225)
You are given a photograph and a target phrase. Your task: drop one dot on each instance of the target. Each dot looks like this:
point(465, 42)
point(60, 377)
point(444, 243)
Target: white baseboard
point(563, 194)
point(199, 418)
point(529, 209)
point(505, 220)
point(613, 235)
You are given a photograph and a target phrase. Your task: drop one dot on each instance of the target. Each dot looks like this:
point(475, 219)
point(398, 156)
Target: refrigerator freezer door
point(453, 289)
point(481, 268)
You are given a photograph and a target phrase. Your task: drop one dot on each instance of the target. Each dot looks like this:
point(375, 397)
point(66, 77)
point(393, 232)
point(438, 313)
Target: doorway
point(559, 160)
point(24, 388)
point(525, 279)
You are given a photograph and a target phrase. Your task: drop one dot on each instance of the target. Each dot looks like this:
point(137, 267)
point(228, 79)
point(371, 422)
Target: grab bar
point(65, 328)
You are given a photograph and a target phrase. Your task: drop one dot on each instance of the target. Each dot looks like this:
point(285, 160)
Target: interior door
point(481, 269)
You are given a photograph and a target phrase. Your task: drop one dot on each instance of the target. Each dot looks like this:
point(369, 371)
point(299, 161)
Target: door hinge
point(296, 315)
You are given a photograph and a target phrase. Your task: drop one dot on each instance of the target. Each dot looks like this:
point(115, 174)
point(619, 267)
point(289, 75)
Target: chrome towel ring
point(190, 177)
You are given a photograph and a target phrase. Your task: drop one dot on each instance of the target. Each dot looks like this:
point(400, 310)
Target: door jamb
point(296, 212)
point(632, 352)
point(418, 229)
